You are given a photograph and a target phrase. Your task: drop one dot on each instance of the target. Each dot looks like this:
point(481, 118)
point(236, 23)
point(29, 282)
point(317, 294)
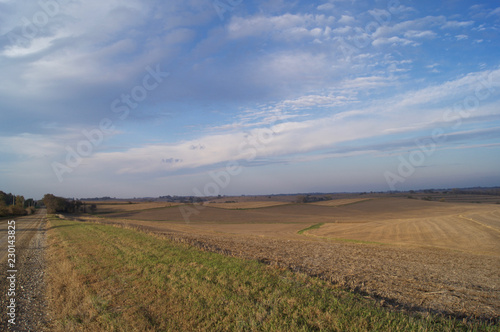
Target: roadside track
point(28, 313)
point(26, 227)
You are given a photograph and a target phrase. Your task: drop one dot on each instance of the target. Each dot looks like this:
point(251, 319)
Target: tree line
point(60, 204)
point(15, 205)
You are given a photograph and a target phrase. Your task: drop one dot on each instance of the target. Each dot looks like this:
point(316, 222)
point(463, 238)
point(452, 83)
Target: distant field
point(352, 211)
point(338, 202)
point(124, 207)
point(457, 226)
point(246, 205)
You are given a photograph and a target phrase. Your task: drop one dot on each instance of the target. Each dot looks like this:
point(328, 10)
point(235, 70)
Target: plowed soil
point(246, 205)
point(120, 207)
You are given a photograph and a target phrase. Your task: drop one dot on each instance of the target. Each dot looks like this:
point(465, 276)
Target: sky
point(150, 98)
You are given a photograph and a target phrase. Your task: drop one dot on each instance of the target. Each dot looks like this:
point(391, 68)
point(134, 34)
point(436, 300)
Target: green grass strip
point(315, 226)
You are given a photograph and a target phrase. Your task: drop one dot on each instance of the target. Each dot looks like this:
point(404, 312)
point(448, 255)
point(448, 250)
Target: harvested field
point(353, 212)
point(448, 232)
point(121, 207)
point(246, 205)
point(339, 202)
point(487, 218)
point(442, 257)
point(295, 213)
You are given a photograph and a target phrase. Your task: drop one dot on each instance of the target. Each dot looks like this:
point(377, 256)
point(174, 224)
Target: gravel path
point(30, 287)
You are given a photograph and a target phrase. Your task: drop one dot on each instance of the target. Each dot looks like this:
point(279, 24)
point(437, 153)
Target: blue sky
point(147, 98)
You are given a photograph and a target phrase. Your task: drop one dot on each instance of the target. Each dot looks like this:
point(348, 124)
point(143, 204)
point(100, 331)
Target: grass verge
point(105, 278)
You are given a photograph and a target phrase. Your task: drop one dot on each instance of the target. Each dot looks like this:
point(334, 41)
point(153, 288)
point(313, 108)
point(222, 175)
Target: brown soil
point(245, 205)
point(361, 211)
point(120, 207)
point(339, 202)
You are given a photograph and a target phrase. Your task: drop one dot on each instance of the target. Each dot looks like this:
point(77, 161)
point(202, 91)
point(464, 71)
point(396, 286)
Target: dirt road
point(26, 227)
point(27, 275)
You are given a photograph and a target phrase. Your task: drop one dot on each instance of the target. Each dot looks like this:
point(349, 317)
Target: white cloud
point(407, 112)
point(454, 91)
point(28, 145)
point(457, 24)
point(346, 19)
point(420, 34)
point(368, 82)
point(326, 7)
point(36, 45)
point(313, 101)
point(342, 30)
point(394, 41)
point(461, 37)
point(410, 25)
point(495, 11)
point(284, 26)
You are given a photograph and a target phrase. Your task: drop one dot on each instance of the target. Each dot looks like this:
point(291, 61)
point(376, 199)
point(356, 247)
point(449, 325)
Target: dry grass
point(70, 303)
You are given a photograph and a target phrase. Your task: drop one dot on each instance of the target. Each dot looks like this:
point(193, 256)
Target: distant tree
point(8, 199)
point(20, 201)
point(58, 204)
point(4, 211)
point(11, 205)
point(303, 199)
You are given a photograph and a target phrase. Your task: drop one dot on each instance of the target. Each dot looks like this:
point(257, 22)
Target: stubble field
point(408, 254)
